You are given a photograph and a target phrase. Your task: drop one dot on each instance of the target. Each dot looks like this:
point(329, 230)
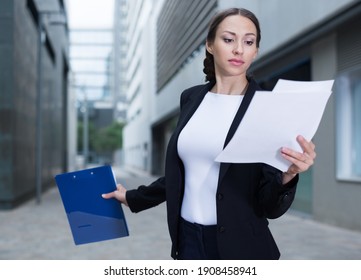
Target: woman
point(220, 210)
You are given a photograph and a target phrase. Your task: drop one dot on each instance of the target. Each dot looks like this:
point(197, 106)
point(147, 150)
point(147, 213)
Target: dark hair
point(208, 63)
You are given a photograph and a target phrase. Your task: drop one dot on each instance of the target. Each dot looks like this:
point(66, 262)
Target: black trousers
point(197, 242)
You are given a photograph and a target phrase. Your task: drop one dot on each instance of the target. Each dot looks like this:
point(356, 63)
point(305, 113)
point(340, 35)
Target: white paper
point(274, 119)
point(303, 86)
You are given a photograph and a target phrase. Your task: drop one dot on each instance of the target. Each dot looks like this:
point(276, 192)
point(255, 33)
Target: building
point(120, 48)
point(301, 40)
point(34, 99)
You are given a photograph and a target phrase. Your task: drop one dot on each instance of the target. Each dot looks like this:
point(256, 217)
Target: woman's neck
point(231, 86)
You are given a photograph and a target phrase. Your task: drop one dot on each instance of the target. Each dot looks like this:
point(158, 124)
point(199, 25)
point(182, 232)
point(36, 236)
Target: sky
point(90, 13)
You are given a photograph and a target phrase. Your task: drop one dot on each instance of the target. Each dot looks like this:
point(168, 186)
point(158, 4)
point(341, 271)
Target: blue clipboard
point(91, 217)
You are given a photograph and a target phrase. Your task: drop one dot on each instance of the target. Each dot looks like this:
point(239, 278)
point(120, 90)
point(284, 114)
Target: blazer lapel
point(196, 98)
point(236, 121)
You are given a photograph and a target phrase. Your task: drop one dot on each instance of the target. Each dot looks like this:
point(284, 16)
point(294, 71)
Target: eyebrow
point(234, 34)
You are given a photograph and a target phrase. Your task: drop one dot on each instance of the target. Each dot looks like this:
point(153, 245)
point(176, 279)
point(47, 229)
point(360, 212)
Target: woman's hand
point(118, 194)
point(300, 161)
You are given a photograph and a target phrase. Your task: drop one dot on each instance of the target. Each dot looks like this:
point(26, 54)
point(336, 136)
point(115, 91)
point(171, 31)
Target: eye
point(228, 40)
point(249, 42)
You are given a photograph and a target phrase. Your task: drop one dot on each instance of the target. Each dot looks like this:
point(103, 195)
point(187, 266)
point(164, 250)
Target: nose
point(238, 48)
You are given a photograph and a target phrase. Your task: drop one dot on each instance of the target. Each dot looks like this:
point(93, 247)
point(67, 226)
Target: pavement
point(40, 231)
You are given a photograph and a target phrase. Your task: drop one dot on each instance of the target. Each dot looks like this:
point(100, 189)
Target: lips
point(236, 62)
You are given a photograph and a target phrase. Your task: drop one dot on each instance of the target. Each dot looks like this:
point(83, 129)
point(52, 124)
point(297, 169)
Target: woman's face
point(234, 47)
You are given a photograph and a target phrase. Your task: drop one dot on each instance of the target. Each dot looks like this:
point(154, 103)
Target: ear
point(209, 48)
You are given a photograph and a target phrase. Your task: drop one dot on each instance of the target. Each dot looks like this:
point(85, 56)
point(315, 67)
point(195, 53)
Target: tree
point(91, 135)
point(109, 139)
point(102, 142)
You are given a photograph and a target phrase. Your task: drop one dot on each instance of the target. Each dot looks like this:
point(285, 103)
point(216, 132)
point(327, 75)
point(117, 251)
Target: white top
point(199, 143)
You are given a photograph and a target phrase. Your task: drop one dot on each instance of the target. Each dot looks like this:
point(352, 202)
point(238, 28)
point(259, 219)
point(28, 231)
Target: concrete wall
point(334, 201)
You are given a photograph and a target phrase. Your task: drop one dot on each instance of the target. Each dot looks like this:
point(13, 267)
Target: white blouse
point(199, 143)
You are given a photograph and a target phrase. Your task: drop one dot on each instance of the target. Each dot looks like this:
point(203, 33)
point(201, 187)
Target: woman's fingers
point(301, 161)
point(118, 194)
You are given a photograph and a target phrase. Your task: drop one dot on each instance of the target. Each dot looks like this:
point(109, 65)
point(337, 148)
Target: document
point(91, 217)
point(274, 119)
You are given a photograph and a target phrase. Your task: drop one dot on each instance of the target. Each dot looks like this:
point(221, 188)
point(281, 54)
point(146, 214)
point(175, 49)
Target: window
point(348, 125)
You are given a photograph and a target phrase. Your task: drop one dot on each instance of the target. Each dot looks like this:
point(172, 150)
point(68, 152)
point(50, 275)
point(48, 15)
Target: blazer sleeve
point(145, 197)
point(274, 197)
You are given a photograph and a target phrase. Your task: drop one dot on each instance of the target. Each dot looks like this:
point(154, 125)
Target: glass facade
point(348, 125)
point(91, 59)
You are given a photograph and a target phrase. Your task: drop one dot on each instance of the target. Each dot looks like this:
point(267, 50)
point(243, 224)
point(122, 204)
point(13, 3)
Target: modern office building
point(301, 40)
point(34, 100)
point(120, 48)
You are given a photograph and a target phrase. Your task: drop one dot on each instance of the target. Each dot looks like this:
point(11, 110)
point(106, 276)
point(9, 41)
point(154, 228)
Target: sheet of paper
point(274, 119)
point(303, 86)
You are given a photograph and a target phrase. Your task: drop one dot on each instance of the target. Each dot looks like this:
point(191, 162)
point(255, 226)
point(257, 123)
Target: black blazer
point(247, 194)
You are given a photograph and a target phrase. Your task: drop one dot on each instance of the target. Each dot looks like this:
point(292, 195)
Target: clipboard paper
point(91, 217)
